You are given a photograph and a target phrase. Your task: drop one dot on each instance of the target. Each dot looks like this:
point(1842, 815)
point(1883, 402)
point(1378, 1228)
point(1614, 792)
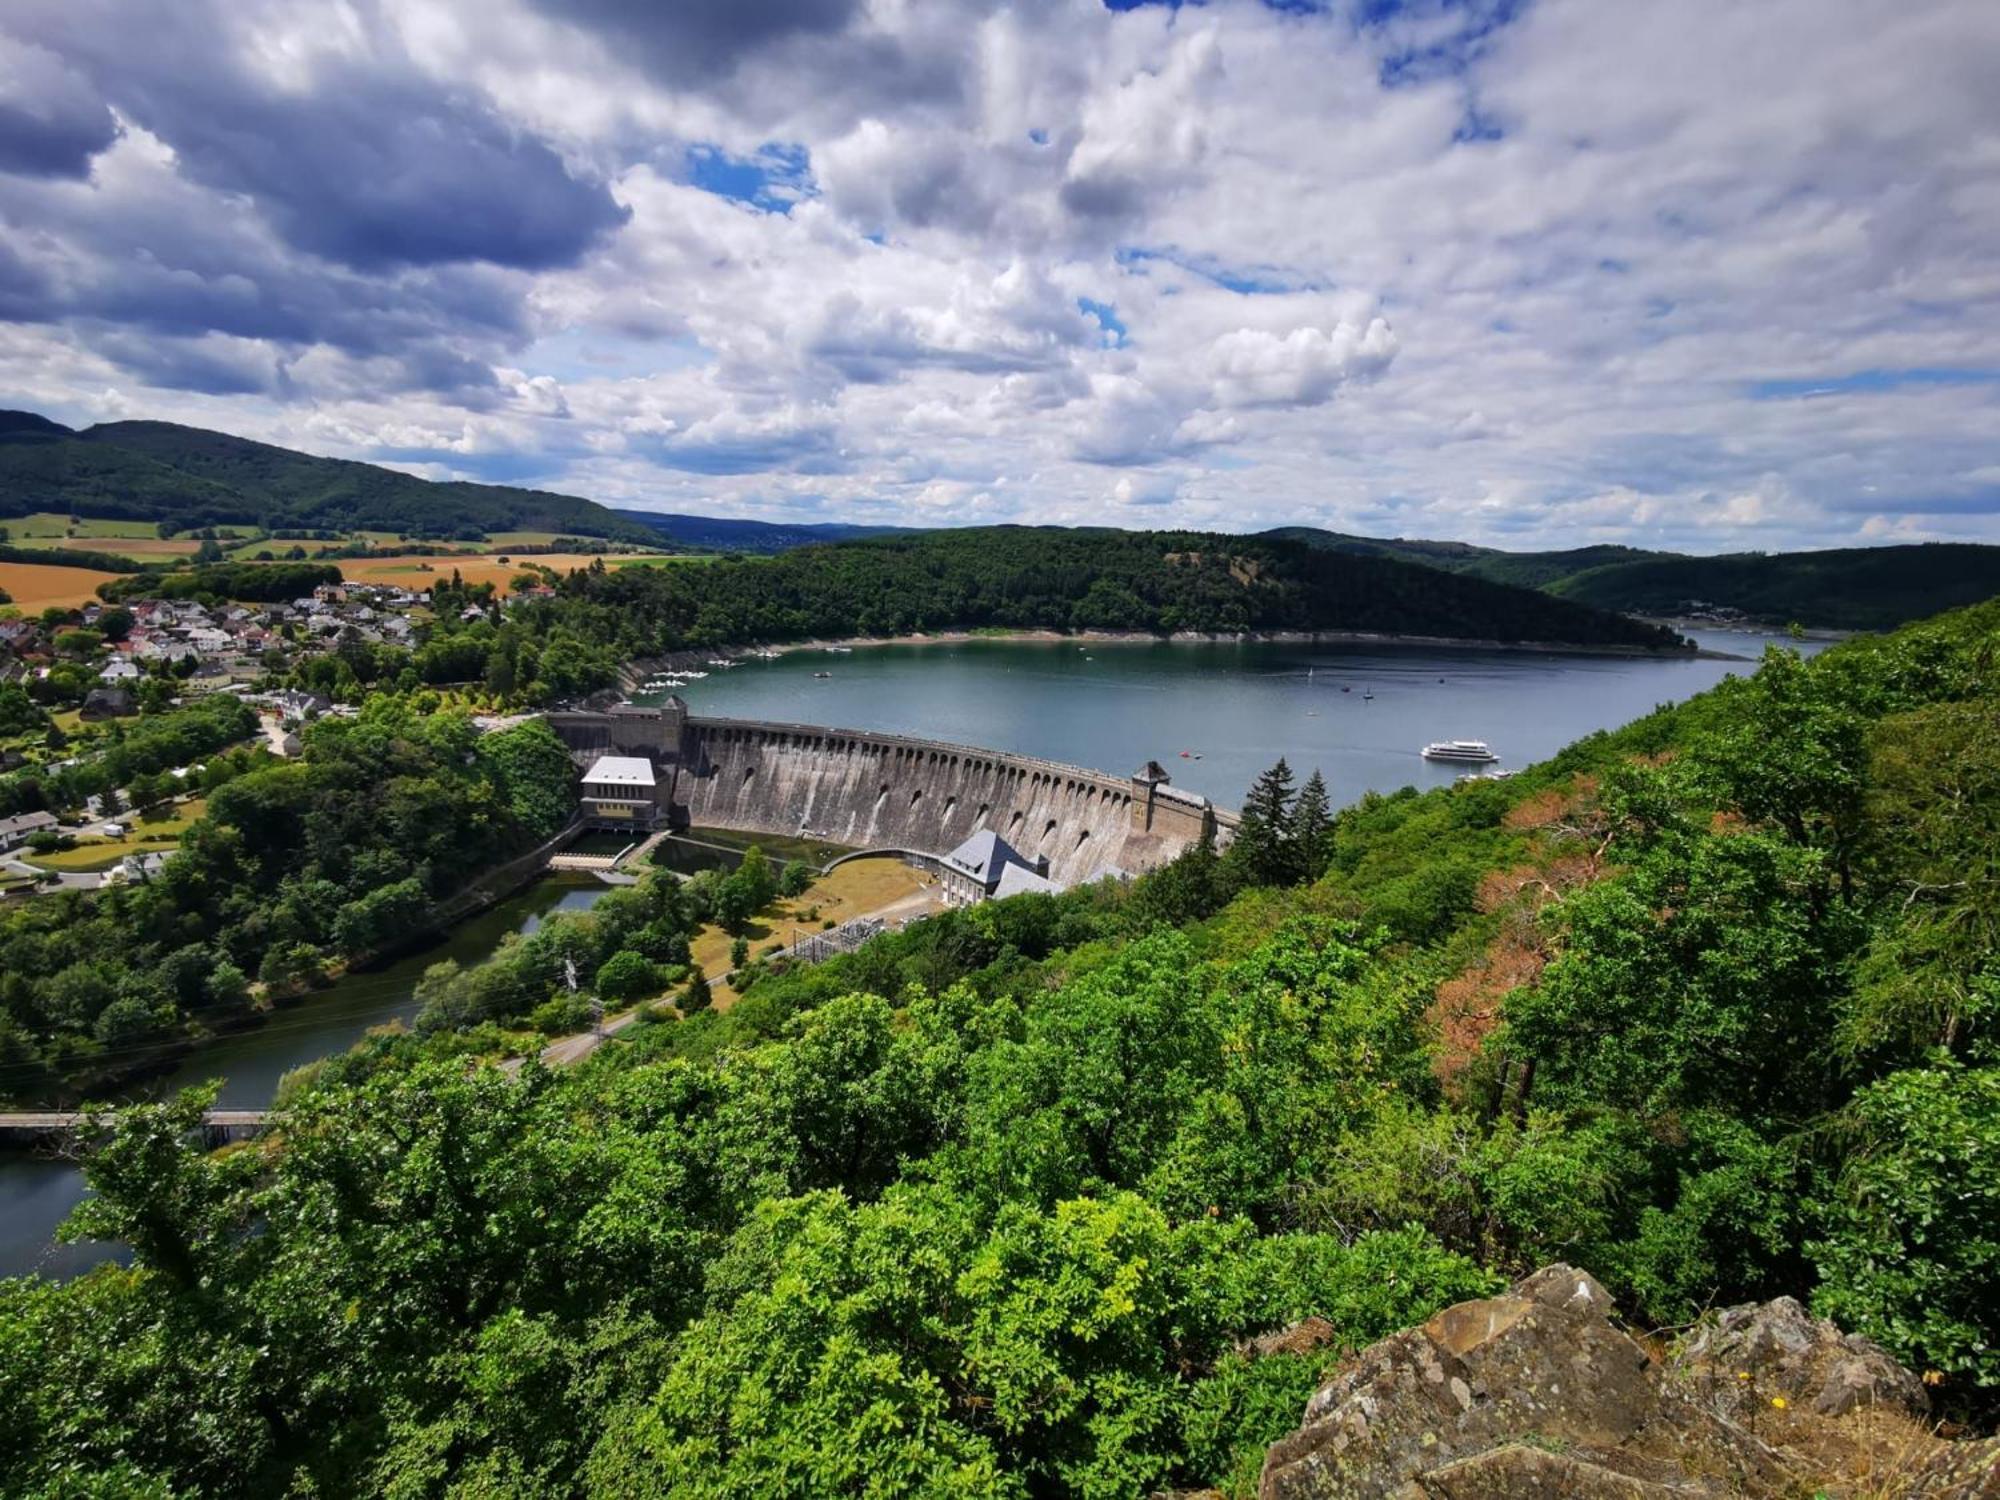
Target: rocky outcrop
point(1539, 1393)
point(1747, 1357)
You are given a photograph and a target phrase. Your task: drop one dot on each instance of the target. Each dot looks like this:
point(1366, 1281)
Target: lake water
point(37, 1193)
point(1217, 715)
point(1357, 714)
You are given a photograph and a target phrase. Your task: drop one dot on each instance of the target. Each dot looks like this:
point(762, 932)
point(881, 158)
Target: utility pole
point(596, 1000)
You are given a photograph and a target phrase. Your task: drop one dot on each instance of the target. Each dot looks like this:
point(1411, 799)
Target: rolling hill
point(1855, 588)
point(189, 477)
point(728, 534)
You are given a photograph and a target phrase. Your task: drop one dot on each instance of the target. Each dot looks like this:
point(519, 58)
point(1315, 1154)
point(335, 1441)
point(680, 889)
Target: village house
point(14, 831)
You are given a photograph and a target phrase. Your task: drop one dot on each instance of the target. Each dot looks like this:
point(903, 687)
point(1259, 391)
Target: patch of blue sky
point(1455, 33)
point(1247, 281)
point(771, 179)
point(531, 468)
point(1867, 382)
point(576, 354)
point(1477, 125)
point(1107, 319)
point(1287, 7)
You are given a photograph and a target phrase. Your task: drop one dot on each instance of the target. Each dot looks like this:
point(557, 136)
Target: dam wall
point(872, 791)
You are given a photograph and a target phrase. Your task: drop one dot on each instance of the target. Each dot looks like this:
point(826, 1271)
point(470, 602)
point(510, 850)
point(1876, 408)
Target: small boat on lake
point(1463, 752)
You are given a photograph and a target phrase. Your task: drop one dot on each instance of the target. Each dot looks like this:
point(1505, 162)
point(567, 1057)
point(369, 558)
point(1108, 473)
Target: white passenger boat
point(1465, 752)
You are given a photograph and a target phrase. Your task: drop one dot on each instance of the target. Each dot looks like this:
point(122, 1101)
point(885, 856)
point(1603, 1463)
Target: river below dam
point(37, 1192)
point(1357, 714)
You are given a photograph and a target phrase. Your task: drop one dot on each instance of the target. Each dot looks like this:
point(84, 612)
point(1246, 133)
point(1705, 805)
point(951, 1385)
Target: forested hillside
point(1856, 588)
point(1056, 579)
point(296, 867)
point(190, 478)
point(1709, 1006)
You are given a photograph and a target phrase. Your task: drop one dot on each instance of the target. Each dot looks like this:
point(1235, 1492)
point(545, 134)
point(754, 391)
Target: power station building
point(622, 792)
point(987, 867)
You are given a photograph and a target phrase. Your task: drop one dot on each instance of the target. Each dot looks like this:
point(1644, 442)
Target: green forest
point(1049, 578)
point(190, 478)
point(297, 868)
point(1851, 588)
point(1855, 588)
point(1709, 1005)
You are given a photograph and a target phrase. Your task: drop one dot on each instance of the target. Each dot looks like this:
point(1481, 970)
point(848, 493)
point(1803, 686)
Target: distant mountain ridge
point(729, 534)
point(1854, 588)
point(191, 477)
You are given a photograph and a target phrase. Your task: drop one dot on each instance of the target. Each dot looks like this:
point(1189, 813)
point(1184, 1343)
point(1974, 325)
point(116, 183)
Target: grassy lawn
point(156, 832)
point(854, 890)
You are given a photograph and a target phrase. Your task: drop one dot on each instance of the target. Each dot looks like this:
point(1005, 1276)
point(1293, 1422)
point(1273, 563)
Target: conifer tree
point(696, 996)
point(1311, 829)
point(1261, 852)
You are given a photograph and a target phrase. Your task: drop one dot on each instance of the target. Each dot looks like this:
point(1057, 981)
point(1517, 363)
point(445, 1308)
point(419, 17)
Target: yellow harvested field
point(35, 586)
point(421, 572)
point(131, 546)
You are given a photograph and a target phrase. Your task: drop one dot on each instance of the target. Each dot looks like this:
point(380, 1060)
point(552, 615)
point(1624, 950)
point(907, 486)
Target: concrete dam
point(881, 791)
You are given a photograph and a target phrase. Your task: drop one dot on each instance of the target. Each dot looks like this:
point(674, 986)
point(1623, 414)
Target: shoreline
point(1231, 638)
point(642, 666)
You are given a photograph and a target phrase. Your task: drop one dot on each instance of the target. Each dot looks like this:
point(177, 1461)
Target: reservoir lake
point(1358, 714)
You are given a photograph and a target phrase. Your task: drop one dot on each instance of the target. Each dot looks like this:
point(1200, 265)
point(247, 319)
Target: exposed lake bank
point(695, 657)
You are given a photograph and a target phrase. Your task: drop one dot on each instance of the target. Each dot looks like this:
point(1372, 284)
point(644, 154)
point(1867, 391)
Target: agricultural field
point(36, 586)
point(46, 524)
point(501, 540)
point(129, 538)
point(138, 548)
point(416, 572)
point(245, 551)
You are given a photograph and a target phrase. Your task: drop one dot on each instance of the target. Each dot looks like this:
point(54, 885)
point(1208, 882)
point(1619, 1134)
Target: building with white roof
point(621, 791)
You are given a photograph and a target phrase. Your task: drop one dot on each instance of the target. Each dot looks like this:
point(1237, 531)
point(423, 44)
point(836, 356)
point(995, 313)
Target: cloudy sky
point(1528, 272)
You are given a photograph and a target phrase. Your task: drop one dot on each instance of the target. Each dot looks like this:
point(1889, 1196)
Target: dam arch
point(870, 791)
